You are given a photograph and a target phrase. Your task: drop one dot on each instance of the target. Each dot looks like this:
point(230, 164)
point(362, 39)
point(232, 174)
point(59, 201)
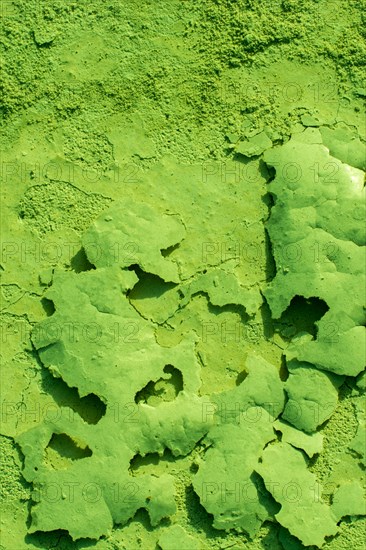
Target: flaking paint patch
point(165, 87)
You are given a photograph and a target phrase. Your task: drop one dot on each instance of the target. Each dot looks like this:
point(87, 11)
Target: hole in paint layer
point(301, 315)
point(165, 252)
point(176, 378)
point(164, 389)
point(270, 261)
point(66, 447)
point(80, 262)
point(284, 374)
point(48, 306)
point(91, 408)
point(241, 377)
point(146, 464)
point(149, 286)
